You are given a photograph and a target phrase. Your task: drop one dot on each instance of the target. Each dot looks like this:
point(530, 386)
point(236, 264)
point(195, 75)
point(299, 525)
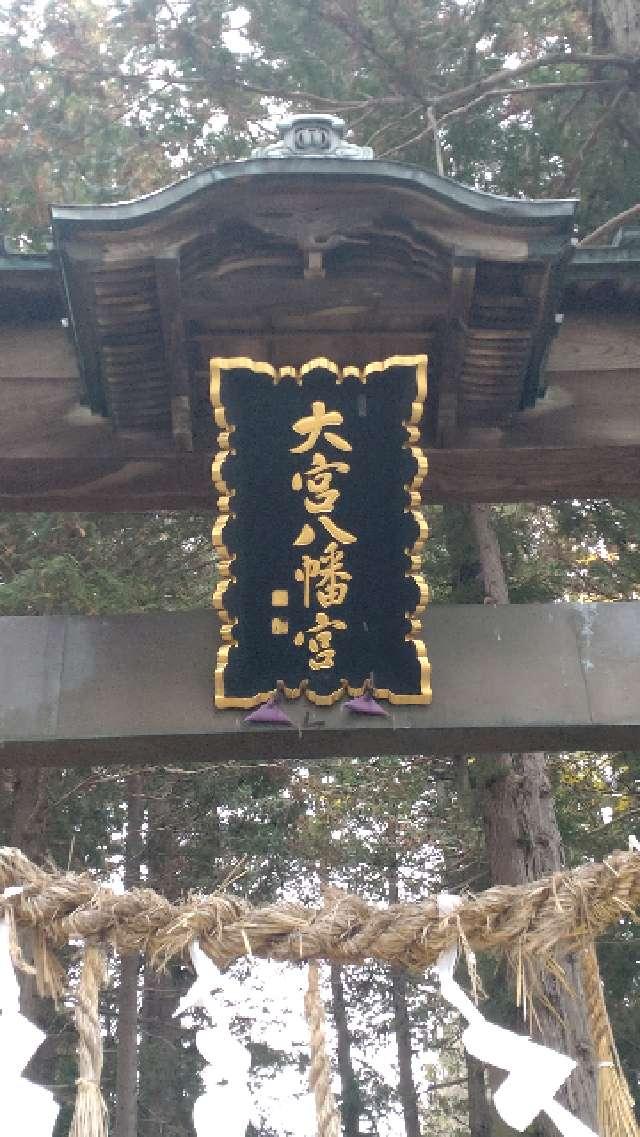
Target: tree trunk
point(402, 1024)
point(489, 555)
point(126, 1123)
point(351, 1104)
point(479, 1117)
point(622, 18)
point(27, 832)
point(164, 1109)
point(28, 811)
point(523, 842)
point(26, 829)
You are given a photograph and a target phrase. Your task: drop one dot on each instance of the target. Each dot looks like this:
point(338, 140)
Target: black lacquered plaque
point(319, 530)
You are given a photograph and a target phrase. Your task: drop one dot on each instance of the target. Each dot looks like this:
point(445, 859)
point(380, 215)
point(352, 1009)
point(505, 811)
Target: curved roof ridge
point(495, 207)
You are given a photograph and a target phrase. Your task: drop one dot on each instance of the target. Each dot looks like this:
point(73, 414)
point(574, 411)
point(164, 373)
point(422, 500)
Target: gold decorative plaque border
point(225, 514)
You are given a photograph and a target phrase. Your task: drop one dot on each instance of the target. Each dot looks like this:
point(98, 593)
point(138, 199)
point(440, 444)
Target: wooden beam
point(167, 269)
point(581, 440)
point(78, 284)
point(112, 483)
point(124, 689)
point(462, 284)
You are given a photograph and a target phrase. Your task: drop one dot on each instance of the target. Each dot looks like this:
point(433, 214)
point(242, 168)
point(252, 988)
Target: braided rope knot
point(327, 1115)
point(558, 914)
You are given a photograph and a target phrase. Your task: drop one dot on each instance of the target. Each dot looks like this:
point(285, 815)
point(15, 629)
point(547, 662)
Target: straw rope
point(616, 1111)
point(533, 925)
point(90, 1113)
point(327, 1116)
point(557, 914)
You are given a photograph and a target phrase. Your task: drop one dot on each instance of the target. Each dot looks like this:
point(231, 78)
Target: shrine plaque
point(319, 530)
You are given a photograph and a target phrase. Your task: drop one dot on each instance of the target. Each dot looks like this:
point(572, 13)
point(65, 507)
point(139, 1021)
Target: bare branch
point(393, 124)
point(568, 181)
point(446, 1084)
point(571, 110)
point(505, 92)
point(610, 226)
point(361, 35)
point(557, 58)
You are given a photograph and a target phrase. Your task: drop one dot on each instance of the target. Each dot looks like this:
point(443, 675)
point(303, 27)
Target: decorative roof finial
point(312, 136)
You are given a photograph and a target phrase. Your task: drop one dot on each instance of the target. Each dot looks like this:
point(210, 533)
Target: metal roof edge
point(602, 261)
point(509, 211)
point(26, 262)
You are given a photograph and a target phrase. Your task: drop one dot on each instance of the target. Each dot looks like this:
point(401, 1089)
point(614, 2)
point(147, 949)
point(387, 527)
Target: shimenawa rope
point(327, 1115)
point(616, 1111)
point(90, 1114)
point(559, 913)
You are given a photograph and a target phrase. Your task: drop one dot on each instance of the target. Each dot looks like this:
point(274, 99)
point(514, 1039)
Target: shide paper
point(24, 1107)
point(535, 1073)
point(226, 1104)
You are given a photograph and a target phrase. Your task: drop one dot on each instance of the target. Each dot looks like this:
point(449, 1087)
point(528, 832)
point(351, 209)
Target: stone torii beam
point(138, 688)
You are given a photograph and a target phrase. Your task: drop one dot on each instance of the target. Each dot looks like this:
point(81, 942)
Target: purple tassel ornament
point(270, 712)
point(365, 704)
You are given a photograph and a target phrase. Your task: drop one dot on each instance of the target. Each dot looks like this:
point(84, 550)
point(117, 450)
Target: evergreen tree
point(100, 104)
point(97, 104)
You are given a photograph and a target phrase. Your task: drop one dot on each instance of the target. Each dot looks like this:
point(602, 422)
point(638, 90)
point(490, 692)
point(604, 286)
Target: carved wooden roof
point(303, 257)
point(275, 253)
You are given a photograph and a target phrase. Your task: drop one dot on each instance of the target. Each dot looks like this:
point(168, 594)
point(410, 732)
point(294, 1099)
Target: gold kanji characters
point(320, 644)
point(322, 495)
point(336, 531)
point(323, 575)
point(330, 574)
point(315, 424)
point(307, 534)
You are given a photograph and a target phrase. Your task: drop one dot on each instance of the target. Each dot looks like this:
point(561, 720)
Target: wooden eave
point(269, 255)
point(290, 259)
point(557, 213)
point(604, 262)
point(31, 288)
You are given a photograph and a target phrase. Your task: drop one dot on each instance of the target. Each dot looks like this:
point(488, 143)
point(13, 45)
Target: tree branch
point(568, 181)
point(505, 92)
point(362, 36)
point(557, 58)
point(609, 226)
point(431, 1086)
point(571, 110)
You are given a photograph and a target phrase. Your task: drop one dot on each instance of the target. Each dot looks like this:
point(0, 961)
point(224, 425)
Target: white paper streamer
point(24, 1107)
point(226, 1105)
point(535, 1073)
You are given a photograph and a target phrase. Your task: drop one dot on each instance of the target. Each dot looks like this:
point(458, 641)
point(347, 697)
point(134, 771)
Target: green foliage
point(103, 103)
point(268, 829)
point(100, 104)
point(67, 563)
